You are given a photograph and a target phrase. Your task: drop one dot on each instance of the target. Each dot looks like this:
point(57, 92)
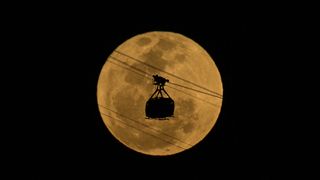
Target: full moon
point(126, 83)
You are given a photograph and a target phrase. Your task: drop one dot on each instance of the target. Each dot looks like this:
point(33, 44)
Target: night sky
point(59, 132)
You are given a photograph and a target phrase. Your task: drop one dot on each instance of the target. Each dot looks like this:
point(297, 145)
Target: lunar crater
point(187, 128)
point(125, 103)
point(144, 41)
point(180, 57)
point(166, 44)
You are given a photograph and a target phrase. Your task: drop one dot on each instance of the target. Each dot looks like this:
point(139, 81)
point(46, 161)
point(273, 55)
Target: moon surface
point(125, 84)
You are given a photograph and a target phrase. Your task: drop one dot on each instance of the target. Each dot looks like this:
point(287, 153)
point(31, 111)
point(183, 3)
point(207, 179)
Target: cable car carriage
point(160, 105)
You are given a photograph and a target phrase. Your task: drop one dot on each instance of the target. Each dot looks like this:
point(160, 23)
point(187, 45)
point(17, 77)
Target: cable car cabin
point(159, 108)
point(160, 105)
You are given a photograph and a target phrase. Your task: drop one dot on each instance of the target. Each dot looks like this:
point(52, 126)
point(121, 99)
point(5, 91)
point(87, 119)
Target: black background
point(58, 52)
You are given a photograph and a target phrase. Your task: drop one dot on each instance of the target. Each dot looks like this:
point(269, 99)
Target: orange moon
point(125, 84)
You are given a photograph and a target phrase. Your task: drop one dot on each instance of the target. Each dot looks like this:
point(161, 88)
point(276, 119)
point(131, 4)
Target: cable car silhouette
point(160, 105)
